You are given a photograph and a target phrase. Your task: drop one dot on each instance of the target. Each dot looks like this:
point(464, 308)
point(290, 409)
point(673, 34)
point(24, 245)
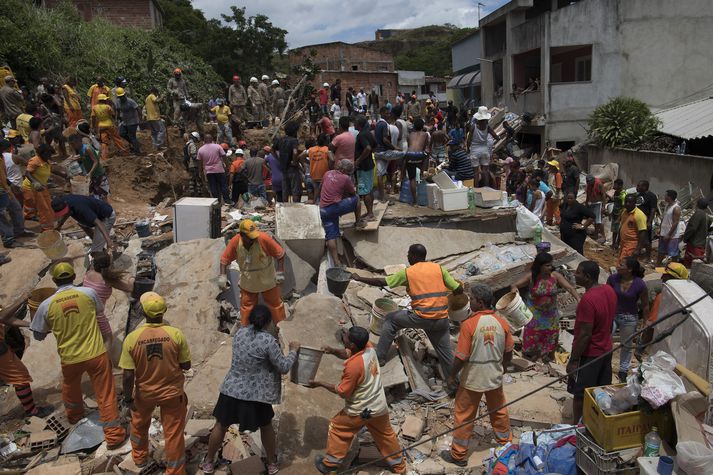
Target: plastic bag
point(526, 223)
point(660, 384)
point(694, 457)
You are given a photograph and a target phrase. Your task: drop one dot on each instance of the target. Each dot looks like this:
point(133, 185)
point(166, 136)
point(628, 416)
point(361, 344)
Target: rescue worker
point(254, 251)
point(633, 233)
point(264, 90)
point(72, 102)
point(190, 154)
point(484, 350)
point(256, 100)
point(103, 123)
point(153, 358)
point(12, 369)
point(71, 315)
point(95, 90)
point(222, 113)
point(12, 102)
point(237, 98)
point(364, 406)
point(278, 99)
point(672, 271)
point(428, 284)
point(178, 90)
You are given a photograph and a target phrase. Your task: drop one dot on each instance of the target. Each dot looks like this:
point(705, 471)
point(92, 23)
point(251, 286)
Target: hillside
point(422, 49)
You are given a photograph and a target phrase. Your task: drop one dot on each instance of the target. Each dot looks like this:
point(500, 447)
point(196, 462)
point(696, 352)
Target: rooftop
point(693, 120)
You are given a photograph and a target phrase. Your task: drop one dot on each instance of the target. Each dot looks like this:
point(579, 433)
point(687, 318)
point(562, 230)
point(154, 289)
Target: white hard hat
point(253, 79)
point(275, 82)
point(239, 152)
point(326, 84)
point(265, 77)
point(196, 135)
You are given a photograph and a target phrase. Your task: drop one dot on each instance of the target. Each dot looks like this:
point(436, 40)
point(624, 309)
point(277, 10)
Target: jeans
point(98, 241)
point(225, 134)
point(12, 222)
point(626, 324)
point(128, 133)
point(218, 186)
point(257, 190)
point(436, 330)
point(158, 132)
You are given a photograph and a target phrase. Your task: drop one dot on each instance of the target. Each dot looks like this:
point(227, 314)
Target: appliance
point(196, 218)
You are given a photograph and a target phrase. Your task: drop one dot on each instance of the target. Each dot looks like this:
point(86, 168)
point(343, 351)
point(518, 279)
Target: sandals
point(272, 468)
point(207, 467)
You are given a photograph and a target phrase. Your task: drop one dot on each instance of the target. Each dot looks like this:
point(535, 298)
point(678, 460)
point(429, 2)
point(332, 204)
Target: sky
point(323, 21)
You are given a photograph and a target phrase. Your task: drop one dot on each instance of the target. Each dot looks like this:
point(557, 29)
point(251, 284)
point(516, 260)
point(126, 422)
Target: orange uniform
point(14, 372)
point(483, 340)
point(632, 223)
point(552, 206)
point(257, 274)
point(155, 353)
point(363, 393)
point(38, 202)
point(428, 290)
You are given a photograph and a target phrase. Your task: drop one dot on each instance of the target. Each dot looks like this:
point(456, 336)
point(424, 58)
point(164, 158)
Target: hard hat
point(236, 78)
point(265, 77)
point(152, 304)
point(239, 152)
point(225, 146)
point(249, 228)
point(177, 71)
point(326, 84)
point(102, 97)
point(275, 82)
point(120, 91)
point(196, 135)
point(253, 79)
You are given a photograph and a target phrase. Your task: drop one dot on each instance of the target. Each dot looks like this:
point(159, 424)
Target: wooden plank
point(412, 368)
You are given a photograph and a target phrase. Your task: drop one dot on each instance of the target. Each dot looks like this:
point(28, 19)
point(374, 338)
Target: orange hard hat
point(236, 78)
point(177, 71)
point(225, 146)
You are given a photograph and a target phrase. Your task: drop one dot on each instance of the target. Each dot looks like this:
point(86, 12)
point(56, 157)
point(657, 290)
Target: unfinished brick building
point(357, 67)
point(145, 14)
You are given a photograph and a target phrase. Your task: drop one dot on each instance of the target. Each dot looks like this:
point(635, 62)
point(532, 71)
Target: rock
point(412, 427)
point(234, 449)
point(521, 364)
point(298, 273)
point(369, 295)
point(432, 467)
point(427, 446)
point(202, 389)
point(249, 466)
point(199, 427)
point(65, 465)
point(299, 226)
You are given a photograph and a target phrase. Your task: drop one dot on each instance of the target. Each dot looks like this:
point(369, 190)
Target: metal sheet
point(688, 121)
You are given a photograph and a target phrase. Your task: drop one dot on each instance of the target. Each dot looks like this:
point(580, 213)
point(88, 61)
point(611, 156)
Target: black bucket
point(338, 280)
point(141, 286)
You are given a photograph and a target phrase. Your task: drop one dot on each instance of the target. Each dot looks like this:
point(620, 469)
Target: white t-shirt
point(336, 111)
point(14, 172)
point(361, 98)
point(394, 132)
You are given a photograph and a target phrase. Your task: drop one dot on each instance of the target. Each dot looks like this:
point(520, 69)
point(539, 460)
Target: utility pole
point(479, 5)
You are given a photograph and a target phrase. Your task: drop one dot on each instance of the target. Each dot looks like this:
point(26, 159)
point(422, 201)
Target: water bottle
point(652, 443)
point(538, 234)
point(602, 398)
point(471, 199)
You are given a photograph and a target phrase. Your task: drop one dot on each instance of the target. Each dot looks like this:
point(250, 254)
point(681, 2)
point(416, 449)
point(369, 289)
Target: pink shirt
point(327, 125)
point(344, 147)
point(211, 154)
point(323, 97)
point(335, 187)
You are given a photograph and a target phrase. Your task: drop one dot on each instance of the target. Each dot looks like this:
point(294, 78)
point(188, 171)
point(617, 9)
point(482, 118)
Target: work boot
point(622, 376)
point(319, 465)
point(447, 457)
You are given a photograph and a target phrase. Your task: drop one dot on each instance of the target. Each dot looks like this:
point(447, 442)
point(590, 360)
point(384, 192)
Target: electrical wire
point(683, 310)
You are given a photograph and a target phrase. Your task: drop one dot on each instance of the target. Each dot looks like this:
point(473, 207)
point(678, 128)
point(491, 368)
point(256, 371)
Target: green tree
point(622, 122)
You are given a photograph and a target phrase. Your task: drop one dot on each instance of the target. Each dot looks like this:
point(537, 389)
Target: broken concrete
point(389, 245)
point(298, 273)
point(299, 226)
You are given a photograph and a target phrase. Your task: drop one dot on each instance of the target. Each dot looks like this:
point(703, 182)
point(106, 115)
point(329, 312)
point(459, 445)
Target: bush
point(57, 43)
point(622, 122)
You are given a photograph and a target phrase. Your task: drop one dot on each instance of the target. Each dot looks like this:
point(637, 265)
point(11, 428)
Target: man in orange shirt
point(672, 271)
point(153, 358)
point(365, 405)
point(254, 251)
point(484, 350)
point(633, 233)
point(238, 177)
point(12, 370)
point(95, 91)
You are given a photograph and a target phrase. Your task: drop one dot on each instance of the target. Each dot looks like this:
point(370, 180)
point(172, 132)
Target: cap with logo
point(63, 270)
point(153, 304)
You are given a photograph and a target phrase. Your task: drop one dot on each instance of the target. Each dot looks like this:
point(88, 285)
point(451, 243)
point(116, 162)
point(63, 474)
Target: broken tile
point(412, 427)
point(234, 448)
point(249, 466)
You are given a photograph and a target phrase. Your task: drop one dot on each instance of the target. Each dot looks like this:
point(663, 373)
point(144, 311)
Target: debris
point(412, 427)
point(412, 368)
point(35, 424)
point(59, 424)
point(521, 364)
point(43, 440)
point(128, 466)
point(234, 448)
point(199, 427)
point(250, 466)
point(67, 465)
point(86, 434)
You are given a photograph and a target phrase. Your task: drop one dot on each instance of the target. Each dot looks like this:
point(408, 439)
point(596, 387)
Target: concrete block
point(412, 427)
point(521, 364)
point(249, 466)
point(298, 273)
point(299, 226)
point(702, 274)
point(42, 439)
point(199, 427)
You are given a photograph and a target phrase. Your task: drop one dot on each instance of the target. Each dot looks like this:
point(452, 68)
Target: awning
point(688, 121)
point(464, 80)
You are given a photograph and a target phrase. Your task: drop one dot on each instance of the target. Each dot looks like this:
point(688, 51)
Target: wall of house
point(361, 80)
point(137, 13)
point(466, 53)
point(673, 172)
point(342, 57)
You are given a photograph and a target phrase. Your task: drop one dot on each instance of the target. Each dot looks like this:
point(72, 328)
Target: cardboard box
point(487, 197)
point(626, 430)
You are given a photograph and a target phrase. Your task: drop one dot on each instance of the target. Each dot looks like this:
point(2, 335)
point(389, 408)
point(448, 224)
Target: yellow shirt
point(39, 169)
point(94, 91)
point(152, 111)
point(23, 125)
point(71, 315)
point(222, 113)
point(103, 114)
point(72, 103)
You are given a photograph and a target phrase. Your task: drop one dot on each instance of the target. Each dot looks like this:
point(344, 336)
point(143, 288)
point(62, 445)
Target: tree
point(622, 122)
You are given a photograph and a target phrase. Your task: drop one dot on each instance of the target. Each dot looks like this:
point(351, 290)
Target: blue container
point(421, 196)
point(405, 194)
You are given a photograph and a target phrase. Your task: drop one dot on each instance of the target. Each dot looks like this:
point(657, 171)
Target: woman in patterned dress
point(541, 335)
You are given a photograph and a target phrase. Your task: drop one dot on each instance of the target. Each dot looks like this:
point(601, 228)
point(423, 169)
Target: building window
point(355, 67)
point(583, 68)
point(571, 64)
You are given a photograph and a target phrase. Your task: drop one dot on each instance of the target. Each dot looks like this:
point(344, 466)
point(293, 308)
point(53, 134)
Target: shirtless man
point(419, 144)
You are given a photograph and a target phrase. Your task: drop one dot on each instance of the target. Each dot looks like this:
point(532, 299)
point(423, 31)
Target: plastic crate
point(593, 460)
point(567, 324)
point(59, 424)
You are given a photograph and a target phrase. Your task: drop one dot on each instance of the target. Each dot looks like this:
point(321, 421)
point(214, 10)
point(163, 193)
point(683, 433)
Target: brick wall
point(136, 13)
point(343, 57)
point(384, 83)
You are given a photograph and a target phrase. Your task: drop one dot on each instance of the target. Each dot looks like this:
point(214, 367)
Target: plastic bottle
point(538, 234)
point(602, 398)
point(652, 443)
point(471, 199)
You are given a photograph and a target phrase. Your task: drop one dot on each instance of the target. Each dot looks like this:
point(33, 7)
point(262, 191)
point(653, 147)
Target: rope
point(682, 310)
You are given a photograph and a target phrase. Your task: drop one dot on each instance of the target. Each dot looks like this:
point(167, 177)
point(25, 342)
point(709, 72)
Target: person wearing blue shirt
point(95, 217)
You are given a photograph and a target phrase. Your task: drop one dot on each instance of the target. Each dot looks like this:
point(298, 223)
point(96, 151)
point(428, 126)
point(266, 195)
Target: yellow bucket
point(38, 296)
point(52, 244)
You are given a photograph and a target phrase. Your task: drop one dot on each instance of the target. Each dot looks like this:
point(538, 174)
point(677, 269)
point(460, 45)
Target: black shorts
point(248, 415)
point(411, 170)
point(597, 374)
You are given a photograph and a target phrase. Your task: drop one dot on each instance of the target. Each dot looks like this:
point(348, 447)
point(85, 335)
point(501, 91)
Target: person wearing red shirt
point(592, 335)
point(324, 99)
point(337, 197)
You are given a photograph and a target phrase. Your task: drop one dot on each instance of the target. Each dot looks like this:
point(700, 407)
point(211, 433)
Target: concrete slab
point(299, 226)
point(541, 407)
point(202, 389)
point(389, 245)
point(298, 273)
point(20, 274)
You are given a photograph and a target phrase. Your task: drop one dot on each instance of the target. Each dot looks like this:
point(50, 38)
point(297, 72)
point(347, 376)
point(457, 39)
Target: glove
point(280, 278)
point(223, 282)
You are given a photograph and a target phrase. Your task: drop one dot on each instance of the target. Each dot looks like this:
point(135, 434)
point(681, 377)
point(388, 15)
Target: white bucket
point(80, 185)
point(513, 308)
point(52, 244)
point(379, 310)
point(458, 307)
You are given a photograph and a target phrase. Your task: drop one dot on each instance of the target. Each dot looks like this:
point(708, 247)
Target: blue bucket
point(143, 229)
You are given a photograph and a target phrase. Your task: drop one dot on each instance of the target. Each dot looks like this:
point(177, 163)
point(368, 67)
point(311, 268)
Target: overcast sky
point(322, 21)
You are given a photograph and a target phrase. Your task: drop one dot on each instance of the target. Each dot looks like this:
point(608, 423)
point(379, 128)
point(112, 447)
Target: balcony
point(531, 102)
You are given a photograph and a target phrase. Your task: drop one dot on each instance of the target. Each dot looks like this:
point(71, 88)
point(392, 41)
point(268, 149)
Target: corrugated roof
point(464, 80)
point(688, 121)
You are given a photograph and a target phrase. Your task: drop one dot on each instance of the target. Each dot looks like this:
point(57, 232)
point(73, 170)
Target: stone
point(389, 245)
point(369, 295)
point(199, 427)
point(202, 390)
point(433, 467)
point(426, 446)
point(521, 364)
point(393, 373)
point(35, 424)
point(250, 466)
point(412, 427)
point(298, 273)
point(299, 226)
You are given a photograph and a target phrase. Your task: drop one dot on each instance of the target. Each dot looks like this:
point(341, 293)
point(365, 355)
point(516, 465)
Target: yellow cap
point(674, 269)
point(249, 228)
point(62, 270)
point(120, 91)
point(153, 304)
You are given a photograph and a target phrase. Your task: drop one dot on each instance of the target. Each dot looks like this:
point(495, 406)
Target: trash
point(159, 217)
point(603, 399)
point(526, 223)
point(86, 434)
point(694, 457)
point(661, 383)
point(7, 447)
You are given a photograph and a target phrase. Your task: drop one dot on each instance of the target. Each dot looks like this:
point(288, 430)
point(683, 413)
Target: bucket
point(379, 310)
point(142, 228)
point(458, 307)
point(513, 308)
point(305, 368)
point(52, 244)
point(141, 286)
point(38, 296)
point(544, 246)
point(338, 280)
point(79, 185)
